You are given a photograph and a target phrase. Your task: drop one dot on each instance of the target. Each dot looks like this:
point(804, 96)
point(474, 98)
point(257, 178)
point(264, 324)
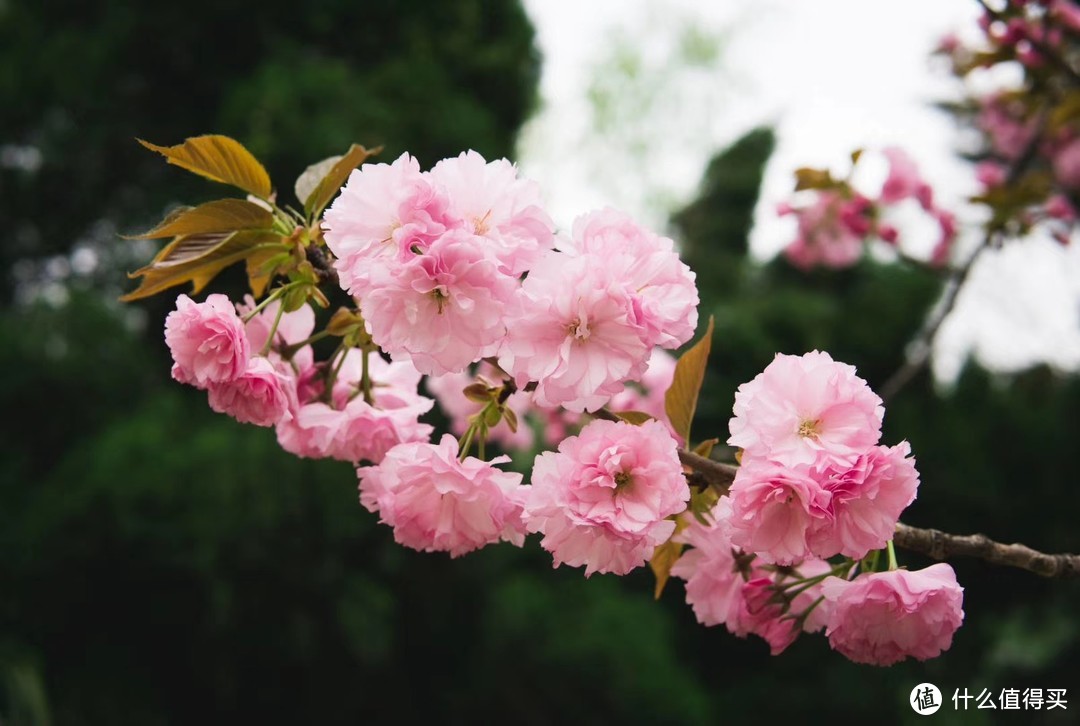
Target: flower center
point(623, 480)
point(578, 329)
point(808, 429)
point(480, 225)
point(441, 296)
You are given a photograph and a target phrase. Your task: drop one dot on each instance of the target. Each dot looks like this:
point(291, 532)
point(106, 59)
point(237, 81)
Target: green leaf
point(492, 416)
point(664, 558)
point(478, 393)
point(681, 398)
point(260, 267)
point(220, 159)
point(198, 258)
point(308, 182)
point(807, 178)
point(633, 417)
point(511, 419)
point(331, 179)
point(705, 447)
point(343, 322)
point(222, 215)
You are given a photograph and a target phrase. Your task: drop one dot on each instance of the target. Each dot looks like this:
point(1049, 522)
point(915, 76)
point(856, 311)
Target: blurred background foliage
point(160, 564)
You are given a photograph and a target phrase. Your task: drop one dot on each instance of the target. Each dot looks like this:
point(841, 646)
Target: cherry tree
point(456, 289)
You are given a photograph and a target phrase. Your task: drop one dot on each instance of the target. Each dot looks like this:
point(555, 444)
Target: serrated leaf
point(705, 447)
point(308, 182)
point(198, 258)
point(222, 215)
point(332, 181)
point(219, 158)
point(680, 400)
point(260, 271)
point(633, 417)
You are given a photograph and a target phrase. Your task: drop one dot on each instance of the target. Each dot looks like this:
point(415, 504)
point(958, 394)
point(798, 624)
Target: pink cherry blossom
point(882, 618)
point(830, 233)
point(1066, 164)
point(435, 502)
point(347, 427)
point(1066, 13)
point(647, 395)
point(904, 180)
point(662, 289)
point(292, 327)
point(260, 395)
point(1059, 207)
point(574, 333)
point(942, 251)
point(865, 502)
point(383, 212)
point(990, 174)
point(444, 309)
point(604, 498)
point(726, 587)
point(493, 202)
point(770, 510)
point(806, 410)
point(207, 341)
point(1002, 120)
point(715, 571)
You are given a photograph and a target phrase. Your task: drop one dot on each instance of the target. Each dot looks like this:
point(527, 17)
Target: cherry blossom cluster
point(837, 221)
point(315, 415)
point(1029, 160)
point(534, 340)
point(436, 259)
point(814, 483)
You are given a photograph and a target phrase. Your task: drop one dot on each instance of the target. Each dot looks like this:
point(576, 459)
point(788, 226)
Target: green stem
point(274, 295)
point(273, 331)
point(466, 442)
point(341, 350)
point(365, 379)
point(290, 350)
point(892, 556)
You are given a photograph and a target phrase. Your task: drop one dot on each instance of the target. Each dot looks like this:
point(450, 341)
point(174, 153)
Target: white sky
point(830, 76)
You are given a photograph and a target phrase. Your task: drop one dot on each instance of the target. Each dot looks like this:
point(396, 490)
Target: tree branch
point(714, 472)
point(922, 344)
point(933, 543)
point(940, 545)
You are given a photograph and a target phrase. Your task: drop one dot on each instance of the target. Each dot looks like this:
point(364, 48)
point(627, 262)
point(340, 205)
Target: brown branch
point(714, 472)
point(923, 343)
point(940, 545)
point(933, 543)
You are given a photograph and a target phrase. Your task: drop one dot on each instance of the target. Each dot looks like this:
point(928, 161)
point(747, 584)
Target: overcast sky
point(830, 76)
